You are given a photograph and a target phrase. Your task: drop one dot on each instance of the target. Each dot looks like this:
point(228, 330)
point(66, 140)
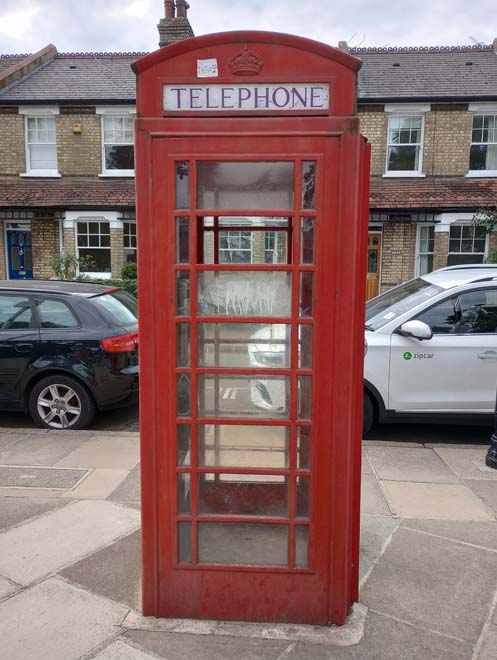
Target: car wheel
point(367, 414)
point(61, 402)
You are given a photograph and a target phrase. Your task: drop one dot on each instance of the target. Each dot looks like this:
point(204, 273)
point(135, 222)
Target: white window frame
point(236, 233)
point(113, 111)
point(127, 237)
point(406, 110)
point(481, 109)
point(419, 254)
point(36, 112)
point(70, 222)
point(466, 223)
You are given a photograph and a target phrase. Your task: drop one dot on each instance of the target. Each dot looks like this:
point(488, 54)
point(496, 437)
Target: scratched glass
point(245, 293)
point(182, 344)
point(266, 397)
point(182, 240)
point(302, 546)
point(245, 185)
point(243, 494)
point(182, 293)
point(309, 185)
point(182, 185)
point(238, 345)
point(184, 542)
point(246, 544)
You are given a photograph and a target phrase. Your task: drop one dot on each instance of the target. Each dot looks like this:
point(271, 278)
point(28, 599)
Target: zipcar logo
point(418, 356)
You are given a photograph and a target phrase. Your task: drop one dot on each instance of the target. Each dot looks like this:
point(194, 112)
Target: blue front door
point(20, 256)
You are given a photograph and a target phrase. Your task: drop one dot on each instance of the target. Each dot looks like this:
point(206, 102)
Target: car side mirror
point(416, 329)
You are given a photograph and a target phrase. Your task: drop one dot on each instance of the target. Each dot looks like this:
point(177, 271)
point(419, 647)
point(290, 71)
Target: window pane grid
point(466, 244)
point(94, 234)
point(404, 143)
point(483, 152)
point(129, 230)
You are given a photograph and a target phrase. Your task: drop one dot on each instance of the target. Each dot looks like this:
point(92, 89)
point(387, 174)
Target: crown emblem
point(246, 62)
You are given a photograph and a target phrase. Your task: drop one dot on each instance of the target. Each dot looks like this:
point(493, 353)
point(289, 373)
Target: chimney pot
point(169, 8)
point(342, 45)
point(181, 8)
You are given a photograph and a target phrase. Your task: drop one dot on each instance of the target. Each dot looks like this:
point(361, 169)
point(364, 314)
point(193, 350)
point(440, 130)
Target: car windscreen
point(393, 303)
point(120, 305)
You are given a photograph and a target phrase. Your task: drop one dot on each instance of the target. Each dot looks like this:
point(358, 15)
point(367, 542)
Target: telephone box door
point(243, 257)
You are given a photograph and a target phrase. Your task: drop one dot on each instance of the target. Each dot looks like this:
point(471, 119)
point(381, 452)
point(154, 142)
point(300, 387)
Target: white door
point(456, 370)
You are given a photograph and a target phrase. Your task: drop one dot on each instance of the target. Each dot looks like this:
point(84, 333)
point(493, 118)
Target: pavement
point(70, 558)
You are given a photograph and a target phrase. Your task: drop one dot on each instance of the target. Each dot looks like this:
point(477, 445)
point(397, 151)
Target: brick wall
point(116, 251)
point(45, 242)
point(398, 254)
point(79, 154)
point(440, 249)
point(12, 152)
point(374, 127)
point(69, 240)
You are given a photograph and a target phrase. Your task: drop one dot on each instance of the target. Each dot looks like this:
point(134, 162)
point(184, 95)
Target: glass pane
point(304, 403)
point(43, 156)
point(303, 496)
point(241, 396)
point(182, 240)
point(15, 259)
point(425, 264)
point(478, 311)
point(248, 222)
point(223, 445)
point(306, 294)
point(372, 261)
point(184, 542)
point(183, 395)
point(243, 494)
point(307, 241)
point(403, 158)
point(237, 185)
point(182, 185)
point(309, 185)
point(244, 345)
point(28, 257)
point(243, 543)
point(183, 435)
point(55, 314)
point(184, 500)
point(99, 260)
point(301, 546)
point(237, 293)
point(15, 313)
point(120, 157)
point(182, 293)
point(182, 344)
point(304, 447)
point(305, 346)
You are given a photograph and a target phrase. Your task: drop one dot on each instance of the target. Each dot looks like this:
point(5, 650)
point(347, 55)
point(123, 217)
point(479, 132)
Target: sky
point(131, 25)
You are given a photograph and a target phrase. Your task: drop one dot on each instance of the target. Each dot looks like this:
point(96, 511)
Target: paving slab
point(482, 534)
point(488, 650)
point(56, 621)
point(119, 650)
point(375, 532)
point(180, 646)
point(114, 572)
point(15, 510)
point(366, 465)
point(408, 464)
point(467, 463)
point(129, 489)
point(62, 537)
point(40, 477)
point(7, 439)
point(444, 586)
point(99, 484)
point(486, 491)
point(387, 639)
point(372, 499)
point(440, 501)
point(107, 452)
point(7, 588)
point(40, 449)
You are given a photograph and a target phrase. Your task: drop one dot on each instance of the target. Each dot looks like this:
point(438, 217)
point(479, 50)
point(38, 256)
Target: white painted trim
point(411, 174)
point(417, 253)
point(97, 276)
point(407, 173)
point(113, 112)
point(68, 224)
point(39, 110)
point(475, 174)
point(116, 224)
point(407, 108)
point(482, 107)
point(43, 174)
point(91, 216)
point(117, 173)
point(116, 110)
point(39, 173)
point(449, 218)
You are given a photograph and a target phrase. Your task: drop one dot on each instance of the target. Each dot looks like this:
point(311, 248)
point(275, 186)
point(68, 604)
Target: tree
point(487, 218)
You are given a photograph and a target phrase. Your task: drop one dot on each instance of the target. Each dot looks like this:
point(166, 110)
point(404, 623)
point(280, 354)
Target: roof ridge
point(104, 54)
point(423, 49)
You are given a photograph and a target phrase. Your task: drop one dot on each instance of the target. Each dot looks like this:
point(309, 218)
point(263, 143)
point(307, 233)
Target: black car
point(67, 349)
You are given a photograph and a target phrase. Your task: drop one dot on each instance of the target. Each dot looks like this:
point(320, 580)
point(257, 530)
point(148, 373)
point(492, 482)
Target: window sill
point(97, 276)
point(404, 175)
point(118, 173)
point(481, 173)
point(46, 174)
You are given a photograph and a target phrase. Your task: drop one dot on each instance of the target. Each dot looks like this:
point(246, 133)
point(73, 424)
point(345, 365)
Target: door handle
point(488, 355)
point(27, 348)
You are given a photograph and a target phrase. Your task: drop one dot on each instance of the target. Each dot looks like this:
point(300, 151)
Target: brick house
point(66, 164)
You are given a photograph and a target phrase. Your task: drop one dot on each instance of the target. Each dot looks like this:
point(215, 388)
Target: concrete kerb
point(67, 432)
point(349, 634)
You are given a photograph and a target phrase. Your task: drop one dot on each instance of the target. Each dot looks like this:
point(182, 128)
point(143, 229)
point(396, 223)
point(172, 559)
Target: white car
point(432, 349)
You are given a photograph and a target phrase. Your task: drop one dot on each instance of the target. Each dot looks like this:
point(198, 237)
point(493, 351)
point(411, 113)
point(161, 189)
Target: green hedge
point(130, 286)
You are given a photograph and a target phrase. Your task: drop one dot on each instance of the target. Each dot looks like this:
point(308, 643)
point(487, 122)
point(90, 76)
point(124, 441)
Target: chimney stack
point(175, 26)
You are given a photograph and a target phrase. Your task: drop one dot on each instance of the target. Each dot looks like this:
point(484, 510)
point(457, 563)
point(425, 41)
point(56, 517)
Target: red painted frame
point(324, 592)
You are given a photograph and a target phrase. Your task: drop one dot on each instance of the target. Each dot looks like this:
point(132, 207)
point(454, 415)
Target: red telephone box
point(252, 181)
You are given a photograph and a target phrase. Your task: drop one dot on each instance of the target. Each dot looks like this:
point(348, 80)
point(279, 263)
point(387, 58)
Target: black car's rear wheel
point(367, 414)
point(61, 402)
